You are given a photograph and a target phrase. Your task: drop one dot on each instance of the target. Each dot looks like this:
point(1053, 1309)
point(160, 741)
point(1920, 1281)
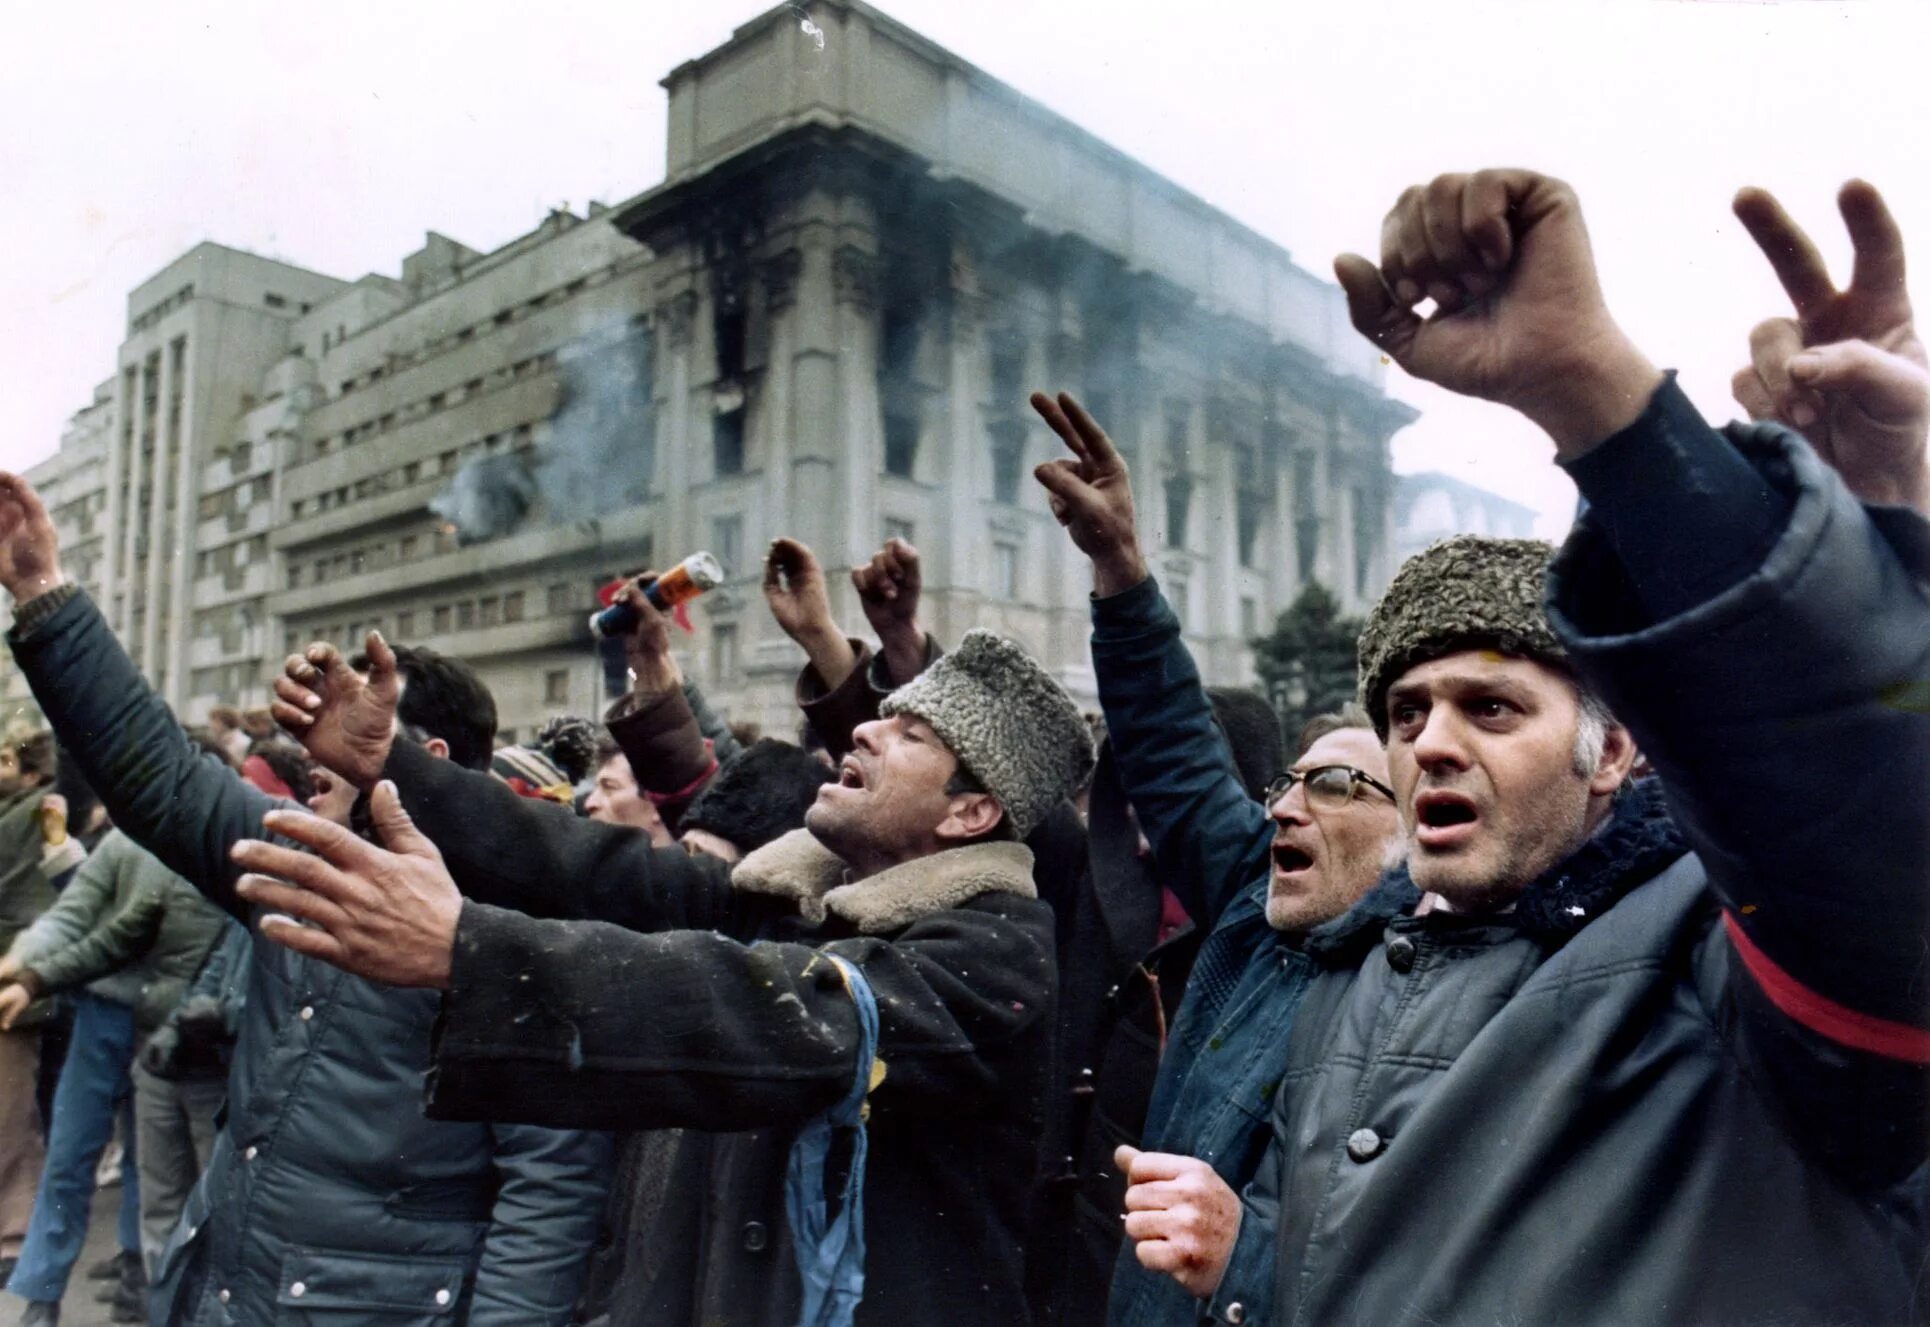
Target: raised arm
point(519, 852)
point(181, 804)
point(720, 1035)
point(1209, 838)
point(1764, 637)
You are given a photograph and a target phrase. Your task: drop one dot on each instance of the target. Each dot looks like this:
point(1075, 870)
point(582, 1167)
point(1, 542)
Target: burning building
point(823, 323)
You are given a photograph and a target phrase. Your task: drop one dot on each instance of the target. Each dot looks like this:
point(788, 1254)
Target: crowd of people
point(1575, 975)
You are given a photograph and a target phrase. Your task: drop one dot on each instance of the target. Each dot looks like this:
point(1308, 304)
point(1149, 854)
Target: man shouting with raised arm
point(747, 1004)
point(1603, 1052)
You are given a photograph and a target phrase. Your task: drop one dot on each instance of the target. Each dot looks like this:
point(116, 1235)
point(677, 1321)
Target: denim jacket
point(1213, 1098)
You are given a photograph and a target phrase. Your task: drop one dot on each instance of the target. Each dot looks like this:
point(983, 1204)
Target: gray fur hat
point(1011, 726)
point(1467, 592)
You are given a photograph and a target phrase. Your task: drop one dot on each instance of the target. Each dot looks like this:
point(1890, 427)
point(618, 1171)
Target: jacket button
point(1363, 1144)
point(442, 1297)
point(308, 1012)
point(224, 1296)
point(755, 1236)
point(297, 1290)
point(1236, 1313)
point(250, 1153)
point(1400, 954)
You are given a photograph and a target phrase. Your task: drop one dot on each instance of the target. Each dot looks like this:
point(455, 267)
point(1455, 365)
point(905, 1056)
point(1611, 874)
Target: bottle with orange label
point(679, 585)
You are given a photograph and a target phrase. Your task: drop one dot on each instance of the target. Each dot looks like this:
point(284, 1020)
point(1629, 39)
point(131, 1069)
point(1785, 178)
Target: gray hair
point(1591, 731)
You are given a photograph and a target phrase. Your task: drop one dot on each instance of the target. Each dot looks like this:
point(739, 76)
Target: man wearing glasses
point(1257, 877)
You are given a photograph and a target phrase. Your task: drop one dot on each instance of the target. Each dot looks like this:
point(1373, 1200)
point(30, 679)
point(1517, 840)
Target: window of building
point(559, 600)
point(1249, 510)
point(1249, 617)
point(1005, 571)
point(407, 548)
point(1008, 462)
point(1180, 592)
point(732, 330)
point(1008, 376)
point(1179, 505)
point(405, 624)
point(513, 606)
point(727, 441)
point(294, 576)
point(448, 461)
point(556, 687)
point(897, 529)
point(466, 615)
point(490, 610)
point(274, 301)
point(1178, 428)
point(723, 653)
point(440, 619)
point(901, 443)
point(727, 541)
point(438, 400)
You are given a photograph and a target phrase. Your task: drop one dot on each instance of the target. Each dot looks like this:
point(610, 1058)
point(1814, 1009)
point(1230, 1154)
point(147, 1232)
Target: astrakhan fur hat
point(1011, 726)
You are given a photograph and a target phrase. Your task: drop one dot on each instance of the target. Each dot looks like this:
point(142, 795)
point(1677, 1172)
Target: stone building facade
point(824, 323)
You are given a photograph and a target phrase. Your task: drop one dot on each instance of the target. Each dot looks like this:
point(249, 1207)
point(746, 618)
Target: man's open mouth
point(1288, 859)
point(850, 773)
point(1444, 819)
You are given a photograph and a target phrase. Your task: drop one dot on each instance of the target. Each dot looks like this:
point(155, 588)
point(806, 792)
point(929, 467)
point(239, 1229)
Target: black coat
point(1118, 990)
point(708, 1006)
point(328, 1193)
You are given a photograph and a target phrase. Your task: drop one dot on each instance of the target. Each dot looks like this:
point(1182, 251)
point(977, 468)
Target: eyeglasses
point(1329, 787)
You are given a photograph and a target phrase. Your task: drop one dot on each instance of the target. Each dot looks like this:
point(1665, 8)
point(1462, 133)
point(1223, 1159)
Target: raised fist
point(1519, 317)
point(29, 549)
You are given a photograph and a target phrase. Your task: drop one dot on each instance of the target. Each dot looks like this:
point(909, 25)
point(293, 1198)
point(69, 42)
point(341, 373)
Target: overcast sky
point(334, 135)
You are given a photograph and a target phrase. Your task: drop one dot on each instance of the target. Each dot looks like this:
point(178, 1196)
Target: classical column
point(855, 283)
point(676, 317)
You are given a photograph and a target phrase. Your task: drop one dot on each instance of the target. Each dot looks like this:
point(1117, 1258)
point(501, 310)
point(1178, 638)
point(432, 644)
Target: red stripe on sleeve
point(1822, 1015)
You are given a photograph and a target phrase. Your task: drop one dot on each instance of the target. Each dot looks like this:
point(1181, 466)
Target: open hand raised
point(345, 719)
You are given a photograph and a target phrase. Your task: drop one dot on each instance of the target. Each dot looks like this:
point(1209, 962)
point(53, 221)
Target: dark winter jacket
point(1213, 1098)
point(124, 926)
point(329, 1194)
point(1666, 1087)
point(708, 1006)
point(25, 891)
point(1119, 990)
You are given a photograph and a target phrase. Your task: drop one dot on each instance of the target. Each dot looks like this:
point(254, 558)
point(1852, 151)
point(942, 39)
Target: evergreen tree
point(1306, 664)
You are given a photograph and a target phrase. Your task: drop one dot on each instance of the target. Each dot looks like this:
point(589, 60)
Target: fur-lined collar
point(1637, 843)
point(798, 867)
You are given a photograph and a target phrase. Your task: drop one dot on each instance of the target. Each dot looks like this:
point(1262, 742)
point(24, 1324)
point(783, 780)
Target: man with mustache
point(1257, 876)
point(892, 957)
point(1614, 1052)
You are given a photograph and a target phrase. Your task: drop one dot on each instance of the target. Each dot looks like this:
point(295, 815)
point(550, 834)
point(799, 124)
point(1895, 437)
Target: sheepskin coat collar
point(798, 867)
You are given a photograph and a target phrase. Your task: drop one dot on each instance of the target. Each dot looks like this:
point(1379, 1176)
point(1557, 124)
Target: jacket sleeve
point(835, 712)
point(181, 804)
point(670, 758)
point(710, 725)
point(1786, 715)
point(541, 858)
point(1245, 1294)
point(582, 1025)
point(83, 900)
point(549, 1203)
point(1210, 840)
point(124, 933)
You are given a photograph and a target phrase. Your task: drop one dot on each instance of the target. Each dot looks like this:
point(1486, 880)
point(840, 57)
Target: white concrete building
point(823, 323)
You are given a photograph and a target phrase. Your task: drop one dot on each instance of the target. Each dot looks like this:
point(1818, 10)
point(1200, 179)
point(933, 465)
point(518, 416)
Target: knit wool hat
point(1469, 592)
point(1011, 726)
point(531, 774)
point(760, 796)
